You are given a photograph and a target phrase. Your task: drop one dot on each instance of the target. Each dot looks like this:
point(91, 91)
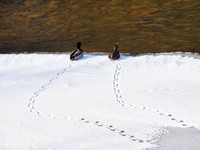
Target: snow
point(50, 102)
point(179, 138)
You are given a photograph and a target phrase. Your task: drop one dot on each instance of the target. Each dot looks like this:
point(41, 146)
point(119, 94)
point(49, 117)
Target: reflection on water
point(140, 26)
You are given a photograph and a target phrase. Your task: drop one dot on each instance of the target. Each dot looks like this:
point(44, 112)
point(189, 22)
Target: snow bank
point(49, 102)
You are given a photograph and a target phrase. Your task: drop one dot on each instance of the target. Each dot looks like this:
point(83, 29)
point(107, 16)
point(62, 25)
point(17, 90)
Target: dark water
point(140, 26)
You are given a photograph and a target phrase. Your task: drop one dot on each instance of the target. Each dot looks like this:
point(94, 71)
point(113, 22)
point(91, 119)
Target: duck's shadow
point(92, 56)
point(123, 57)
point(86, 57)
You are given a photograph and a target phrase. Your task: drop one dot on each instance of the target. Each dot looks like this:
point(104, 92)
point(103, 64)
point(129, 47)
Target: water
point(140, 26)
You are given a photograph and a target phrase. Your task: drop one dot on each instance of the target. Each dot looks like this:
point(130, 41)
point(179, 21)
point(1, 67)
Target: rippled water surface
point(140, 26)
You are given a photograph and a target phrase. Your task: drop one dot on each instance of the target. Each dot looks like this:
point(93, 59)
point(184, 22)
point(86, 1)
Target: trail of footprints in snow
point(120, 100)
point(33, 109)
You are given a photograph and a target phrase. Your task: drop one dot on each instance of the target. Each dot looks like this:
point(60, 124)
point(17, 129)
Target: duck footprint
point(111, 128)
point(122, 133)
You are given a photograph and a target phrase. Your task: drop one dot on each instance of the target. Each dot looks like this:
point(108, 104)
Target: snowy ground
point(49, 102)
